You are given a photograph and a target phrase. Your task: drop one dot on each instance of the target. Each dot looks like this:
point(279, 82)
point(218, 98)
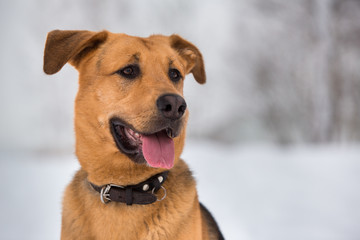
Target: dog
point(130, 126)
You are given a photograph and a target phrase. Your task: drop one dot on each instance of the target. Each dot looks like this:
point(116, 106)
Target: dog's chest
point(136, 222)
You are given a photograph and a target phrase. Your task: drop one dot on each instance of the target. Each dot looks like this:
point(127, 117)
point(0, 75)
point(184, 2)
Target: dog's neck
point(141, 193)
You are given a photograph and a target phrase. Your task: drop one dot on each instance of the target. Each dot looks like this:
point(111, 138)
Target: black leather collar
point(142, 193)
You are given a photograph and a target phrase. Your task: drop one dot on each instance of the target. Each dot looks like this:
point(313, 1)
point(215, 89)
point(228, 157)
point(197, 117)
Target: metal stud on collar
point(146, 187)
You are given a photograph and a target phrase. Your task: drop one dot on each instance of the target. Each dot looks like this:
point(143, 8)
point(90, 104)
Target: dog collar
point(142, 193)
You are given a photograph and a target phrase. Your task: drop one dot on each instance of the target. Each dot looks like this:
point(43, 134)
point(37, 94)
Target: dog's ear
point(69, 46)
point(192, 56)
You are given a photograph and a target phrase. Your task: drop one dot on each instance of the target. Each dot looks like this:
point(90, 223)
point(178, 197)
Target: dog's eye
point(174, 75)
point(130, 71)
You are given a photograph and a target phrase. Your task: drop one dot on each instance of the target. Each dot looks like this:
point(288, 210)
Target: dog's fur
point(104, 94)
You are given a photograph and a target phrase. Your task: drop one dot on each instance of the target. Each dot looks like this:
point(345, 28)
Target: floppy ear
point(63, 46)
point(192, 56)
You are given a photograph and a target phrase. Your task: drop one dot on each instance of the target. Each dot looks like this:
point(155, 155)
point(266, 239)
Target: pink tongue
point(158, 150)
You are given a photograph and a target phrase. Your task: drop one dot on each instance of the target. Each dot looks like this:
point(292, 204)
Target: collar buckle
point(104, 192)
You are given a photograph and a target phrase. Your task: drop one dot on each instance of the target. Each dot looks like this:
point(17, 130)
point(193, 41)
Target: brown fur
point(102, 95)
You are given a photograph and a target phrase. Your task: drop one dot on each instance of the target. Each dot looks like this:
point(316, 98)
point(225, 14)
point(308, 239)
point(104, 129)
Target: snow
point(254, 191)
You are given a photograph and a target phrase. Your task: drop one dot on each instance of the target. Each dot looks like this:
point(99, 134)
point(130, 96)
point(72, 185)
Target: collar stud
point(146, 187)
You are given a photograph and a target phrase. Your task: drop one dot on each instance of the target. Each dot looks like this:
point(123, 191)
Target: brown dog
point(130, 120)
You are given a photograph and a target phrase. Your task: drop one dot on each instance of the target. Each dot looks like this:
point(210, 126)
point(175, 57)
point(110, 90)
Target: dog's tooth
point(169, 133)
point(137, 135)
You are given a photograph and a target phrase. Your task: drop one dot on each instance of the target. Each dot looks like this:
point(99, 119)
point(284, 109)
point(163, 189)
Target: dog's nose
point(171, 106)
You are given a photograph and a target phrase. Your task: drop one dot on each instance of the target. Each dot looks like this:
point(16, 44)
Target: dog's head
point(130, 103)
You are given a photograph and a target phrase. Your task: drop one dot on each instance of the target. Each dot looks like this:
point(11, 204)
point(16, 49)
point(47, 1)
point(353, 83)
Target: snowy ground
point(255, 192)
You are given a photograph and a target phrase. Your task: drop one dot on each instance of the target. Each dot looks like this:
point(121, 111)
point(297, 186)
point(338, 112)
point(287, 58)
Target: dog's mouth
point(156, 148)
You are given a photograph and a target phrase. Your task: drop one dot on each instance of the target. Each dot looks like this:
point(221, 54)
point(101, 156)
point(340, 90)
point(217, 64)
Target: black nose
point(171, 106)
